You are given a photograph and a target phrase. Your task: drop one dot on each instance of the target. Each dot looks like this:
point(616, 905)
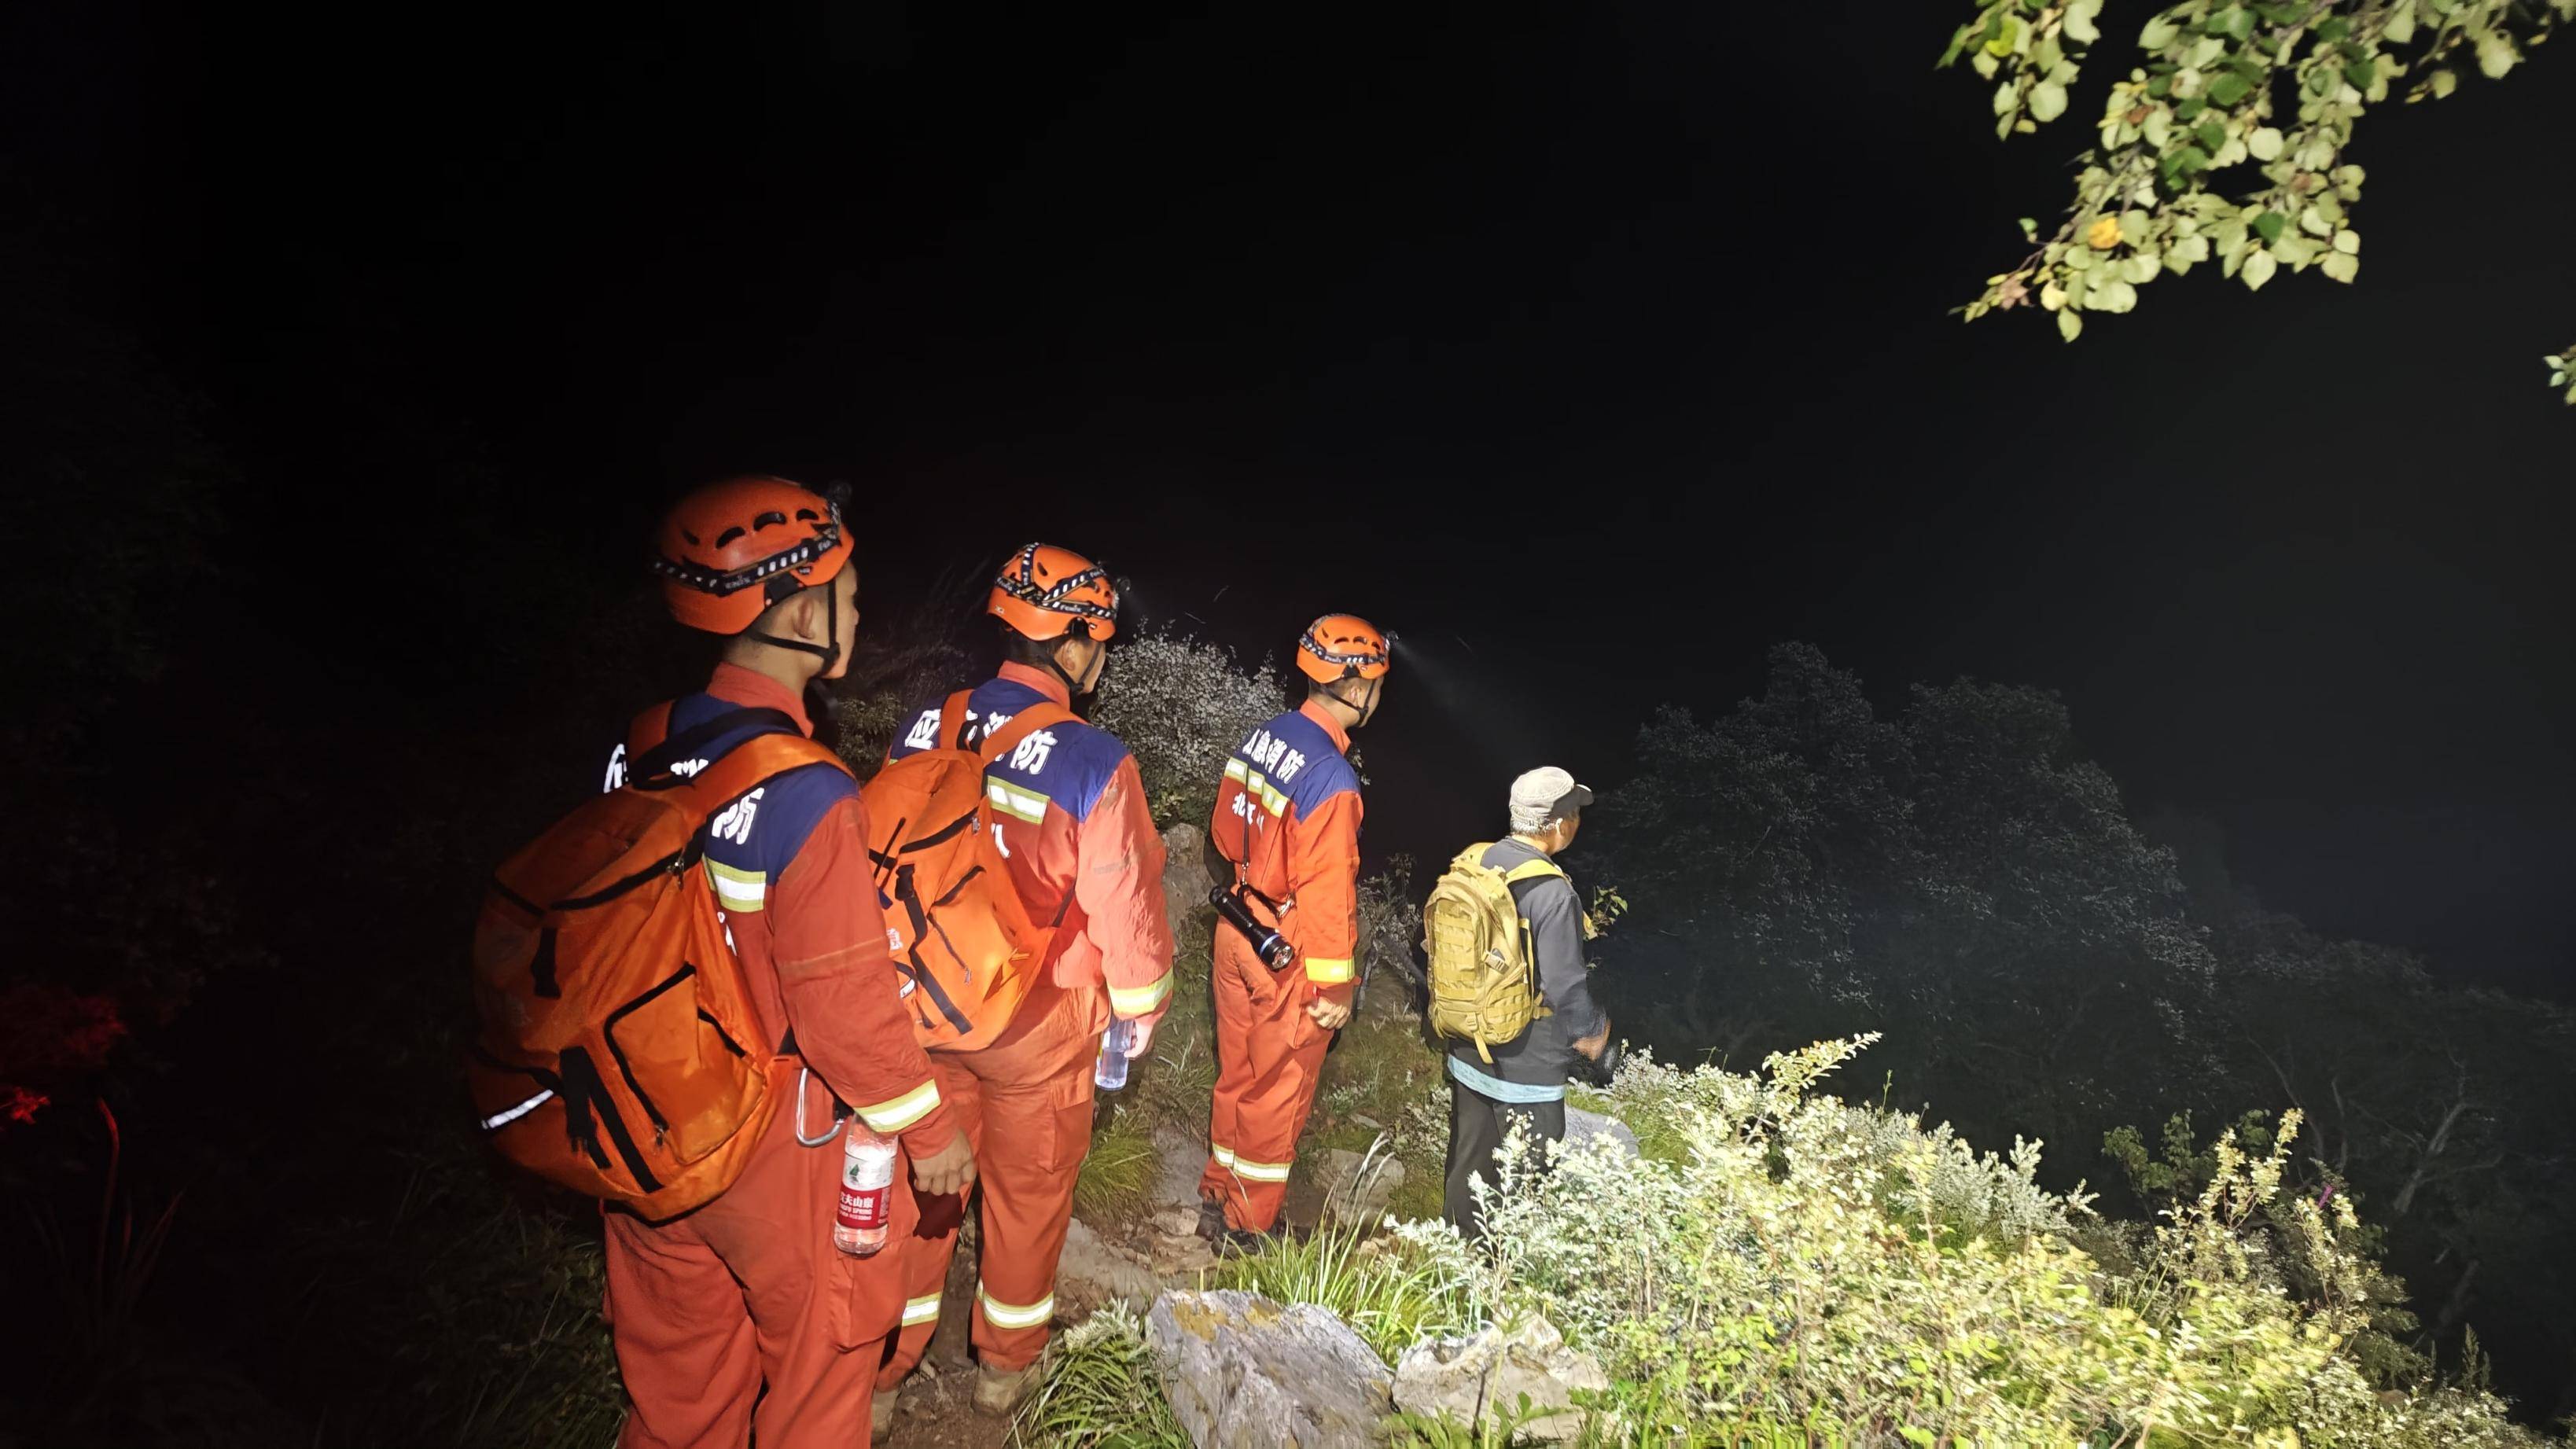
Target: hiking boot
point(1000, 1392)
point(1211, 1219)
point(881, 1417)
point(1243, 1242)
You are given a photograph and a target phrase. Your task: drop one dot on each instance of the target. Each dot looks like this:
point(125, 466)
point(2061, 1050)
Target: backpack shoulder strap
point(652, 769)
point(1024, 724)
point(758, 758)
point(1472, 858)
point(952, 720)
point(1531, 870)
point(952, 726)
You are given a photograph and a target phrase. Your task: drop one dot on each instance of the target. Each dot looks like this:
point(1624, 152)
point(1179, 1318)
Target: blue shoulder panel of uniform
point(763, 831)
point(1296, 757)
point(1069, 763)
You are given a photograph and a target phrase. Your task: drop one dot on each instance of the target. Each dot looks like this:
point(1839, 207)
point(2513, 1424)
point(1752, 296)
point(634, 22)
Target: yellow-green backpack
point(1484, 971)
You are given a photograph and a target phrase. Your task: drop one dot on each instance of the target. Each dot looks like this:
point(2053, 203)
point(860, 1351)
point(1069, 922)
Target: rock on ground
point(1349, 1200)
point(1179, 1158)
point(1242, 1372)
point(1108, 1270)
point(1488, 1372)
point(1581, 1127)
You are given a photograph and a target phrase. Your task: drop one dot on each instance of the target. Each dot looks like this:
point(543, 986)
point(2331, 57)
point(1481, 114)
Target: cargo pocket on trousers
point(866, 1295)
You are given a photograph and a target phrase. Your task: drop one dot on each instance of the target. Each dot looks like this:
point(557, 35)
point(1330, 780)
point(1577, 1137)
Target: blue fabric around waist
point(1485, 1086)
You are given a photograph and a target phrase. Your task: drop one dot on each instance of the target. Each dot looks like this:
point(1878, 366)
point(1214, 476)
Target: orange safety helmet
point(730, 550)
point(1337, 646)
point(1043, 591)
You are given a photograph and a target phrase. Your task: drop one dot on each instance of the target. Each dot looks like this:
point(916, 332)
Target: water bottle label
point(863, 1208)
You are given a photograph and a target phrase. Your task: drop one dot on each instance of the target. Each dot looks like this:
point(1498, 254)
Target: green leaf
point(2187, 161)
point(2162, 86)
point(2159, 33)
point(1915, 1433)
point(2079, 26)
point(2005, 95)
point(2334, 30)
point(2264, 143)
point(2236, 21)
point(2400, 27)
point(2445, 82)
point(2210, 134)
point(2361, 74)
point(2257, 270)
point(2002, 43)
point(2047, 102)
point(2321, 82)
point(2227, 90)
point(2496, 54)
point(2340, 266)
point(2269, 225)
point(2348, 242)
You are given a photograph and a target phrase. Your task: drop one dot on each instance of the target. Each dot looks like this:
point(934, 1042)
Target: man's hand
point(950, 1169)
point(1594, 1045)
point(1140, 1035)
point(1328, 1013)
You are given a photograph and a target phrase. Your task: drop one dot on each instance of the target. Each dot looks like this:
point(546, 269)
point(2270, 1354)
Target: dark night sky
point(1602, 343)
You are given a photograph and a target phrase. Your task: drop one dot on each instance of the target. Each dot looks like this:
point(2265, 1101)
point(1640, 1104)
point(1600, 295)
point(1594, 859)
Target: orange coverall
point(1288, 816)
point(1073, 825)
point(748, 1291)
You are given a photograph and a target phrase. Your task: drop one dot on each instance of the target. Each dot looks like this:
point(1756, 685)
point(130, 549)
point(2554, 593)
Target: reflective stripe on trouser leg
point(926, 1254)
point(1013, 1315)
point(1037, 1128)
point(1282, 1054)
point(1233, 1062)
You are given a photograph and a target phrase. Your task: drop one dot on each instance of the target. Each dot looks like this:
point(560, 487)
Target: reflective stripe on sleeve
point(898, 1113)
point(740, 891)
point(1138, 1000)
point(921, 1310)
point(1016, 802)
point(1326, 971)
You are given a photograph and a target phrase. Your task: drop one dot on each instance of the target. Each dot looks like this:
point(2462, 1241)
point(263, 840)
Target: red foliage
point(48, 1035)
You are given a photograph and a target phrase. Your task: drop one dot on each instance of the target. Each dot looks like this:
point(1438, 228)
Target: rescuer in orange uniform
point(1071, 818)
point(1287, 826)
point(748, 1293)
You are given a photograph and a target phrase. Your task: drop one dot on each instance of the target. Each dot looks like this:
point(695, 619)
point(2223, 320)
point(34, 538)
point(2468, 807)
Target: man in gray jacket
point(1525, 1082)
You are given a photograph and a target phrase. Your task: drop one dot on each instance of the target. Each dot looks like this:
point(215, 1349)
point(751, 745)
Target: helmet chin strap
point(1368, 701)
point(830, 654)
point(1072, 687)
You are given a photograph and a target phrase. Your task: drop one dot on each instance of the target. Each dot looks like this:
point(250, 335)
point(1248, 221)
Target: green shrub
point(1388, 1290)
point(1099, 1391)
point(1846, 1272)
point(1119, 1170)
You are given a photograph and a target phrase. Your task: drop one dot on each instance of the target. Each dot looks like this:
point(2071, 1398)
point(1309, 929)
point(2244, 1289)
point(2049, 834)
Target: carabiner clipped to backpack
point(839, 1114)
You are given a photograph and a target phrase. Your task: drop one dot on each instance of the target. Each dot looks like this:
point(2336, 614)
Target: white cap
point(1544, 794)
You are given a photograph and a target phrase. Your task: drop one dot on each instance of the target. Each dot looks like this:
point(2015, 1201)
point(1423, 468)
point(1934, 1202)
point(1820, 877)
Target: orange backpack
point(966, 945)
point(620, 1054)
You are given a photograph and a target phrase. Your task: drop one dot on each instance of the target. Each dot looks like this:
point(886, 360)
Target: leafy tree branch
point(2275, 84)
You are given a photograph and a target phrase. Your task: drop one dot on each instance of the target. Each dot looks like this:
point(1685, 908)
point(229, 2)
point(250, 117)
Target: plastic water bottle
point(1111, 1073)
point(867, 1190)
